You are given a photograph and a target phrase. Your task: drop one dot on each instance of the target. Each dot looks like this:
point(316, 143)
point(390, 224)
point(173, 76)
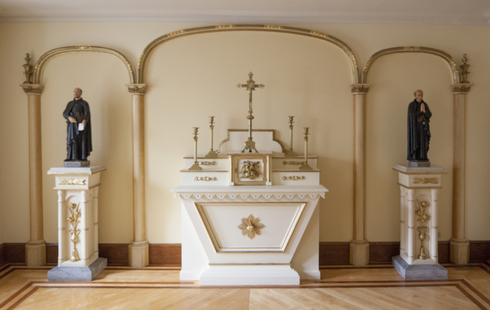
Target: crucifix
point(250, 87)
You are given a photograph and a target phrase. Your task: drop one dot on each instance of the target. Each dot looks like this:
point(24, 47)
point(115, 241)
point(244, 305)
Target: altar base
point(249, 275)
point(78, 274)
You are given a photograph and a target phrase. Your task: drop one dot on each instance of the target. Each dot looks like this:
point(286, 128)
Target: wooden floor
point(346, 287)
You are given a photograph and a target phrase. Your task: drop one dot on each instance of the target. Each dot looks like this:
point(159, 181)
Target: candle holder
point(290, 153)
point(305, 166)
point(195, 166)
point(212, 153)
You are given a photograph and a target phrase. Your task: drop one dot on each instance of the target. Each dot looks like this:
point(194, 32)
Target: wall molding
point(169, 254)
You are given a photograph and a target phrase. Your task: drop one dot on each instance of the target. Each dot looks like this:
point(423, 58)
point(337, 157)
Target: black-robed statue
point(79, 133)
point(418, 131)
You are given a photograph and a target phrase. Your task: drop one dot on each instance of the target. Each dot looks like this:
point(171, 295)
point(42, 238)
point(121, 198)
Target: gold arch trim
point(79, 49)
point(264, 28)
point(412, 49)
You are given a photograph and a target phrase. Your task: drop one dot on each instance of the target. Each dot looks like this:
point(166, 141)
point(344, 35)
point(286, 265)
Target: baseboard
point(331, 253)
point(3, 260)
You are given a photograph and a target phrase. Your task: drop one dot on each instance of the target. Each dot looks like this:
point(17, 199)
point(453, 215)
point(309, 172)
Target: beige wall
point(193, 77)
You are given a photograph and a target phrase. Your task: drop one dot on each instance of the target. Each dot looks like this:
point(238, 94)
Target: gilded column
point(36, 246)
point(138, 248)
point(459, 245)
point(359, 247)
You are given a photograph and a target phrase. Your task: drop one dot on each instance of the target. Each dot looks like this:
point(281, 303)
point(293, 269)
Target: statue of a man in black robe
point(418, 131)
point(79, 133)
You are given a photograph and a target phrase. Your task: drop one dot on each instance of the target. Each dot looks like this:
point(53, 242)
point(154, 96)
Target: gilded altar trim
point(267, 196)
point(360, 89)
point(263, 28)
point(283, 149)
point(79, 49)
point(425, 181)
point(72, 182)
point(412, 49)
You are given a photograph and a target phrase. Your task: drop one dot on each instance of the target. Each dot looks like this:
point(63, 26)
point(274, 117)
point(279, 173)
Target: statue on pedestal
point(418, 132)
point(79, 133)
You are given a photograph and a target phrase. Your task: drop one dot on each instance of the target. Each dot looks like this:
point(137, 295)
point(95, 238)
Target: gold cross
point(250, 87)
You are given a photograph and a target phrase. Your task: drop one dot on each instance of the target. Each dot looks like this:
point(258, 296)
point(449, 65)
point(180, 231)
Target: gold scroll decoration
point(74, 209)
point(422, 229)
point(294, 178)
point(205, 179)
point(72, 182)
point(425, 181)
point(251, 226)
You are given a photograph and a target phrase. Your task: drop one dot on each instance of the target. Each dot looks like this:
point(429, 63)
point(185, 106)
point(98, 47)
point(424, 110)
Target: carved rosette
point(137, 89)
point(32, 89)
point(360, 89)
point(251, 226)
point(461, 88)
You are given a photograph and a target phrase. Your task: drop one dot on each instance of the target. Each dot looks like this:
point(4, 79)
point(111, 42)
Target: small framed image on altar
point(250, 169)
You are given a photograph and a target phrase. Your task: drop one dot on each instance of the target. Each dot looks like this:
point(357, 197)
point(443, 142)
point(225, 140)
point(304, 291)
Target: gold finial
point(464, 69)
point(27, 69)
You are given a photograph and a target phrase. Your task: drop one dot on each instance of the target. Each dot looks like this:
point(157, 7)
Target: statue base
point(419, 272)
point(71, 274)
point(77, 163)
point(419, 163)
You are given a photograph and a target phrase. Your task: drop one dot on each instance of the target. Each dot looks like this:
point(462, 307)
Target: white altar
point(250, 218)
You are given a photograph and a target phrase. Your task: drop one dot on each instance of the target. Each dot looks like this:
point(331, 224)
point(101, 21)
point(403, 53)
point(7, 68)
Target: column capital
point(137, 89)
point(359, 89)
point(461, 88)
point(32, 89)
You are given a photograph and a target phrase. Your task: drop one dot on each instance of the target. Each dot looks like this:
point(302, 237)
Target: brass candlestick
point(305, 166)
point(27, 69)
point(290, 153)
point(195, 166)
point(250, 87)
point(212, 153)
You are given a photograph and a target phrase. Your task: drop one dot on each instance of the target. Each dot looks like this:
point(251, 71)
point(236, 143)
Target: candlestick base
point(250, 146)
point(195, 167)
point(305, 167)
point(291, 154)
point(211, 154)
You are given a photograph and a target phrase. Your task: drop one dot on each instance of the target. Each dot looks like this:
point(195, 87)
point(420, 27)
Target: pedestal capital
point(82, 178)
point(461, 88)
point(32, 89)
point(419, 177)
point(137, 89)
point(360, 89)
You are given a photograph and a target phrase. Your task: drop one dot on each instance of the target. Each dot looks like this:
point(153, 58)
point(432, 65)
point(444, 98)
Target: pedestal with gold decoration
point(250, 218)
point(78, 245)
point(419, 192)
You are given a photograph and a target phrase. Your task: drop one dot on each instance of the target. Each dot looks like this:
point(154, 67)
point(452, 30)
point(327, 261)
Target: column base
point(36, 253)
point(459, 251)
point(139, 255)
point(68, 274)
point(419, 272)
point(359, 253)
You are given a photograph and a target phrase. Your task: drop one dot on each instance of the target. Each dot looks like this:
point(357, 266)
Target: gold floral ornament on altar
point(251, 226)
point(250, 170)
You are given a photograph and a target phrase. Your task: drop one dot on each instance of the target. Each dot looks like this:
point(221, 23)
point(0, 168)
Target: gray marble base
point(68, 274)
point(420, 163)
point(77, 163)
point(418, 272)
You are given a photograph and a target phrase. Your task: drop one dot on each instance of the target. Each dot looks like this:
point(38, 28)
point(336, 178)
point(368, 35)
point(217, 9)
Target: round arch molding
point(263, 28)
point(78, 49)
point(412, 49)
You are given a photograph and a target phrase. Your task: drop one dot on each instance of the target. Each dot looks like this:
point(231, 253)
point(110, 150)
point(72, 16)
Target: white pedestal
point(78, 244)
point(215, 252)
point(419, 190)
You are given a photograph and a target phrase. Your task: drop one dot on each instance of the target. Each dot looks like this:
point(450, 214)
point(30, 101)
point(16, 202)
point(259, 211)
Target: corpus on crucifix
point(250, 87)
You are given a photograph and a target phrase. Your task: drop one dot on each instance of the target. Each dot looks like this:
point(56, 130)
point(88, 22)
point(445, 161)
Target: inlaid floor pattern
point(342, 287)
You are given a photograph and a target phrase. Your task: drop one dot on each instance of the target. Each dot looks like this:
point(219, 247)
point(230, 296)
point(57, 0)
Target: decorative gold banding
point(359, 88)
point(293, 162)
point(205, 179)
point(72, 182)
point(412, 49)
point(294, 178)
point(220, 28)
point(425, 181)
point(137, 88)
point(461, 88)
point(206, 163)
point(79, 49)
point(32, 89)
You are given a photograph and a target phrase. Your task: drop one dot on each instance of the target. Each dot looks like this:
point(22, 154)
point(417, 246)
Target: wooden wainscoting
point(331, 253)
